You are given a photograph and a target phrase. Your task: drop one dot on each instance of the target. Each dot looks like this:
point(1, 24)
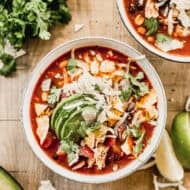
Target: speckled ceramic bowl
point(153, 77)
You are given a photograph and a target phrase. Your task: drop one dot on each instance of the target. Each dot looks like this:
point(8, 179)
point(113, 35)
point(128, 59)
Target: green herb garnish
point(54, 95)
point(72, 64)
point(8, 64)
point(23, 19)
point(152, 25)
point(70, 148)
point(97, 87)
point(126, 94)
point(162, 38)
point(135, 85)
point(139, 145)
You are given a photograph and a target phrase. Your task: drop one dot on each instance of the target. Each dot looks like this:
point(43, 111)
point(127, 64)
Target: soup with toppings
point(165, 24)
point(93, 110)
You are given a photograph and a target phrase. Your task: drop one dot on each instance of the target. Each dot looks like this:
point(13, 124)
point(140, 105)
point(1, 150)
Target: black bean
point(132, 8)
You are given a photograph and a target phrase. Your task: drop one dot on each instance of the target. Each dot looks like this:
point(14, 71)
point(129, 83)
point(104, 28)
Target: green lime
point(180, 134)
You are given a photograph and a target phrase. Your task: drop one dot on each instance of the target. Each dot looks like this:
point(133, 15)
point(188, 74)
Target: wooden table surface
point(100, 18)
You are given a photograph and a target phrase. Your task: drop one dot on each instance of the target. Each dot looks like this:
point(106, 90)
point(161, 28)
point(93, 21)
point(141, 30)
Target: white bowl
point(153, 77)
point(144, 43)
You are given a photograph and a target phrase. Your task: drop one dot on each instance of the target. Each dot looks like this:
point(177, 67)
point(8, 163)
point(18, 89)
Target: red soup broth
point(50, 151)
point(185, 51)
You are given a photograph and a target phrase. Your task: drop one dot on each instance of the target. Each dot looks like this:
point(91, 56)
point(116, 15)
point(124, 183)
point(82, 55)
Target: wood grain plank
point(100, 18)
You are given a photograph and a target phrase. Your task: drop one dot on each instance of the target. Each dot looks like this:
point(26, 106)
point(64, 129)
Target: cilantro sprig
point(135, 86)
point(23, 19)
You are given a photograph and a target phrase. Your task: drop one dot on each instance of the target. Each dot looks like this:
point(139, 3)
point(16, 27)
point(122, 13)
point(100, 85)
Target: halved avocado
point(7, 182)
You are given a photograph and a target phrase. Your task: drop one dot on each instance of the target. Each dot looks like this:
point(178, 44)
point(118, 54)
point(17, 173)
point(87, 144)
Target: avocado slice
point(63, 116)
point(7, 182)
point(59, 107)
point(70, 124)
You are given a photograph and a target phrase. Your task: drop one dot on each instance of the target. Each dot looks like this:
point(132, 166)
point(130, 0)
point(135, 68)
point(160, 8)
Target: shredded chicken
point(151, 10)
point(100, 156)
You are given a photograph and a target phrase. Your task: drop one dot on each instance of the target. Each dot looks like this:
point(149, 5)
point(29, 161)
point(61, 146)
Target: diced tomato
point(49, 140)
point(86, 152)
point(62, 157)
point(149, 128)
point(51, 74)
point(110, 141)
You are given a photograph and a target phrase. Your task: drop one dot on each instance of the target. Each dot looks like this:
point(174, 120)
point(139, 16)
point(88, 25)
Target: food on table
point(94, 110)
point(180, 134)
point(46, 185)
point(7, 182)
point(20, 20)
point(166, 160)
point(165, 24)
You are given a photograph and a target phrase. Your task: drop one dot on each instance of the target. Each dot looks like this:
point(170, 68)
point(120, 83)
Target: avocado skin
point(11, 182)
point(180, 135)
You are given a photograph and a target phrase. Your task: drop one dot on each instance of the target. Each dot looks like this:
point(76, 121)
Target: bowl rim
point(144, 43)
point(86, 178)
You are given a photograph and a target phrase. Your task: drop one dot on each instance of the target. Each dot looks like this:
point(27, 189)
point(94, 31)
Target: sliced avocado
point(7, 182)
point(70, 124)
point(63, 116)
point(59, 107)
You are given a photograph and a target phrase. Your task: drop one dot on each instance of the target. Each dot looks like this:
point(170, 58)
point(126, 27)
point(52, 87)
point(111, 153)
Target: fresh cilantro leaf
point(152, 25)
point(138, 87)
point(161, 38)
point(54, 95)
point(85, 128)
point(21, 19)
point(134, 131)
point(72, 64)
point(97, 87)
point(8, 64)
point(138, 145)
point(71, 148)
point(126, 94)
point(139, 76)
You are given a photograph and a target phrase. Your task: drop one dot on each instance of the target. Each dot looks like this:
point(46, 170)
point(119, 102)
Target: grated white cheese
point(184, 18)
point(170, 45)
point(86, 84)
point(78, 27)
point(181, 4)
point(45, 86)
point(151, 10)
point(46, 185)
